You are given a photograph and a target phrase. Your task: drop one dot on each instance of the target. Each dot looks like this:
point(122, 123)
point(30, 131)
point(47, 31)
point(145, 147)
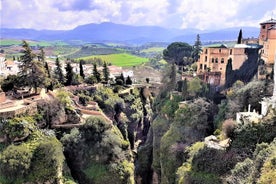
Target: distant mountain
point(110, 32)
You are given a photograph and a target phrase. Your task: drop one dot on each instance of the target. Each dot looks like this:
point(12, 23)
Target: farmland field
point(153, 49)
point(121, 59)
point(9, 42)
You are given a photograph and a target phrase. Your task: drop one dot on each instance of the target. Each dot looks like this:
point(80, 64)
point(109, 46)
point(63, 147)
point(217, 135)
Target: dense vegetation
point(138, 135)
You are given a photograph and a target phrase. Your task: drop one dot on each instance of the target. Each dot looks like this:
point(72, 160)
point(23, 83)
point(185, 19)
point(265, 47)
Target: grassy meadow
point(122, 59)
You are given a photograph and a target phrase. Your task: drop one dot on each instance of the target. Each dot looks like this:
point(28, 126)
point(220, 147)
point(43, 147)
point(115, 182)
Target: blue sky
point(199, 14)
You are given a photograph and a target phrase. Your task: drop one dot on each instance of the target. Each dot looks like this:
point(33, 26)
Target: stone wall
point(29, 109)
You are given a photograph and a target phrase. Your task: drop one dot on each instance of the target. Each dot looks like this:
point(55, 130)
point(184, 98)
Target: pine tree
point(58, 72)
point(32, 73)
point(105, 72)
point(197, 48)
point(81, 69)
point(240, 37)
point(69, 74)
point(96, 74)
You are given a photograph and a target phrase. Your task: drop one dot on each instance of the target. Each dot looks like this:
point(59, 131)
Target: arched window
point(222, 60)
point(213, 60)
point(216, 60)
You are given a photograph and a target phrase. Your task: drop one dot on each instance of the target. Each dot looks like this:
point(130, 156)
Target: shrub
point(228, 128)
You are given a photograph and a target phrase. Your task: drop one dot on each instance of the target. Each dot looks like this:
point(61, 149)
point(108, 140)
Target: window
point(206, 51)
point(230, 51)
point(216, 60)
point(220, 68)
point(205, 67)
point(263, 26)
point(205, 58)
point(222, 60)
point(200, 66)
point(213, 60)
point(219, 50)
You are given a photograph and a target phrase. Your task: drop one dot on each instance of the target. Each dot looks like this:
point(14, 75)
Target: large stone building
point(211, 66)
point(267, 39)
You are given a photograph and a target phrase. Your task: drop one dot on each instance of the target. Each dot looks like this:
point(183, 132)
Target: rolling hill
point(110, 32)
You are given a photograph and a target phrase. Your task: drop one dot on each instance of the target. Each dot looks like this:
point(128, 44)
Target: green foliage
point(96, 73)
point(9, 83)
point(159, 126)
point(58, 72)
point(32, 72)
point(170, 106)
point(37, 158)
point(220, 116)
point(197, 49)
point(259, 169)
point(15, 161)
point(176, 51)
point(69, 74)
point(194, 86)
point(128, 81)
point(64, 98)
point(105, 72)
point(17, 128)
point(47, 161)
point(107, 99)
point(189, 125)
point(99, 150)
point(81, 69)
point(247, 135)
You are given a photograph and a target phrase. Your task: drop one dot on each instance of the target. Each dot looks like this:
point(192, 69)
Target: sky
point(181, 14)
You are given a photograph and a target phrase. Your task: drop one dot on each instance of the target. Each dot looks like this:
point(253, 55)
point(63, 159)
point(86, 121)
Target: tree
point(194, 86)
point(96, 73)
point(69, 74)
point(41, 56)
point(128, 81)
point(9, 83)
point(240, 37)
point(81, 69)
point(197, 48)
point(58, 72)
point(105, 72)
point(176, 51)
point(229, 75)
point(32, 73)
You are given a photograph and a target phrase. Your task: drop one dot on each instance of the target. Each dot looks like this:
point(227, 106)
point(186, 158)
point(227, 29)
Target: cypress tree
point(81, 69)
point(240, 37)
point(96, 74)
point(105, 72)
point(58, 72)
point(128, 81)
point(69, 74)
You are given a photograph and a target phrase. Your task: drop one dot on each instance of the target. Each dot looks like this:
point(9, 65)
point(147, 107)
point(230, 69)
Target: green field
point(153, 49)
point(121, 59)
point(9, 42)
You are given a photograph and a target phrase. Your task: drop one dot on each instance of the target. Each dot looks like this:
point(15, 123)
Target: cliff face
point(98, 153)
point(30, 155)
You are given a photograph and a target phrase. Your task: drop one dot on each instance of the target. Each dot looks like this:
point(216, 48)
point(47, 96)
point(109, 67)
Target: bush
point(228, 128)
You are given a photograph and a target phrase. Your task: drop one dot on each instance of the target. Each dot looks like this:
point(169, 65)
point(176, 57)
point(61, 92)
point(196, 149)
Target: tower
point(267, 39)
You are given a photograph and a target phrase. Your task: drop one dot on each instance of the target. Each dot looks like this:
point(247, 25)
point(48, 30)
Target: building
point(267, 39)
point(211, 66)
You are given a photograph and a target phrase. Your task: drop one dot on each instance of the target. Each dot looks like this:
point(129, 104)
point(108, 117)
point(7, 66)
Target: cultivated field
point(121, 59)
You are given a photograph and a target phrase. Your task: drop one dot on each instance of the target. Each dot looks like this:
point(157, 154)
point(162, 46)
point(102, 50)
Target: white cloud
point(202, 14)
